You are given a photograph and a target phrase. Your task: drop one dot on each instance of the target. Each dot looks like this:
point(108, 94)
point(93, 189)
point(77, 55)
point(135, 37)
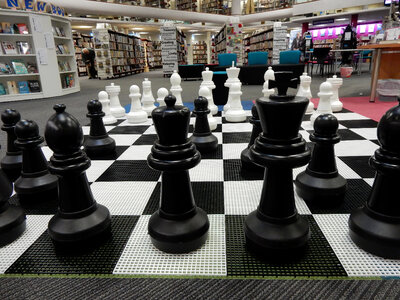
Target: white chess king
point(147, 97)
point(305, 91)
point(115, 106)
point(206, 92)
point(108, 118)
point(176, 88)
point(336, 82)
point(233, 77)
point(235, 112)
point(324, 105)
point(136, 114)
point(207, 76)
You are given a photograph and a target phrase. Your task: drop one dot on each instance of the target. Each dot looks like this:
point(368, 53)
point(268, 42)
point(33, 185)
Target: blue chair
point(257, 58)
point(226, 59)
point(290, 57)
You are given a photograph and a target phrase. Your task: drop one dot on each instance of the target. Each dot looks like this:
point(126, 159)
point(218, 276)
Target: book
point(3, 90)
point(19, 67)
point(22, 28)
point(34, 86)
point(5, 68)
point(12, 87)
point(6, 27)
point(23, 47)
point(23, 87)
point(8, 47)
point(32, 68)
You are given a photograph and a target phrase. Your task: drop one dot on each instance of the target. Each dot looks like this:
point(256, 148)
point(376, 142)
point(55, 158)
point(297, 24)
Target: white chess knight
point(108, 117)
point(147, 97)
point(235, 112)
point(176, 88)
point(233, 77)
point(206, 92)
point(115, 106)
point(207, 82)
point(268, 75)
point(136, 114)
point(161, 94)
point(324, 105)
point(335, 101)
point(305, 91)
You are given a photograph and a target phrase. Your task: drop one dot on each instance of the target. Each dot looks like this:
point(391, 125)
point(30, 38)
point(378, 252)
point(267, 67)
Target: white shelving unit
point(40, 26)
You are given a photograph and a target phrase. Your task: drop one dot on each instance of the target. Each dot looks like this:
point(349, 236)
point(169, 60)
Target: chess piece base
point(310, 108)
point(248, 164)
point(118, 112)
point(323, 192)
point(213, 109)
point(212, 123)
point(205, 144)
point(12, 166)
point(42, 188)
point(337, 106)
point(12, 224)
point(179, 235)
point(135, 117)
point(107, 120)
point(149, 109)
point(99, 146)
point(235, 116)
point(375, 233)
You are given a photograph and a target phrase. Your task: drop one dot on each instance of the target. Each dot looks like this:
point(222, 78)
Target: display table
point(386, 64)
point(190, 71)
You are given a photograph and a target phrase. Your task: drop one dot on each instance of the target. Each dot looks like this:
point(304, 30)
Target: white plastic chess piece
point(206, 92)
point(136, 114)
point(176, 88)
point(335, 101)
point(108, 118)
point(147, 97)
point(305, 91)
point(268, 75)
point(161, 94)
point(233, 77)
point(115, 106)
point(207, 82)
point(324, 105)
point(235, 112)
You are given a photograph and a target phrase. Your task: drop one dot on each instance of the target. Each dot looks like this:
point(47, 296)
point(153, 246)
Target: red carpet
point(362, 106)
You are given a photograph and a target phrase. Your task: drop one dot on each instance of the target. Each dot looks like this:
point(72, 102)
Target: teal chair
point(257, 58)
point(226, 59)
point(290, 57)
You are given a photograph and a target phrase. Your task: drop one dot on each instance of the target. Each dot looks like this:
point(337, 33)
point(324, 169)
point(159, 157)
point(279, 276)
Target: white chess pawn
point(233, 77)
point(207, 82)
point(161, 94)
point(108, 117)
point(235, 112)
point(115, 106)
point(305, 91)
point(206, 92)
point(176, 88)
point(335, 101)
point(147, 97)
point(324, 105)
point(268, 75)
point(136, 114)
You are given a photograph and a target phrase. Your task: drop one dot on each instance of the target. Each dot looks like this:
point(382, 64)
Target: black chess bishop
point(178, 226)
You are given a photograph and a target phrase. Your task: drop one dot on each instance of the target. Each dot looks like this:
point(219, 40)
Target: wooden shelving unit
point(199, 53)
point(188, 5)
point(220, 42)
point(81, 41)
point(157, 54)
point(327, 43)
point(259, 41)
point(148, 49)
point(157, 3)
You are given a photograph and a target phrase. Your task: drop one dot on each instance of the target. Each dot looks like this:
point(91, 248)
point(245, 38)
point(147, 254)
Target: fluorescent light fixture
point(192, 30)
point(361, 21)
point(342, 19)
point(84, 26)
point(143, 32)
point(137, 28)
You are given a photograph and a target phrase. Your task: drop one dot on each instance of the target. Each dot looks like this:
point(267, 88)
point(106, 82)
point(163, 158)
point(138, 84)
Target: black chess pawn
point(275, 228)
point(98, 142)
point(12, 218)
point(12, 162)
point(202, 137)
point(321, 183)
point(375, 227)
point(247, 163)
point(35, 184)
point(178, 226)
point(79, 222)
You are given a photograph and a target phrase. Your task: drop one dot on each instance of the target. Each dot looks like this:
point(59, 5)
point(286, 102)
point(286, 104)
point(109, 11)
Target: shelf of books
point(200, 53)
point(29, 66)
point(215, 7)
point(81, 41)
point(259, 41)
point(230, 40)
point(149, 53)
point(117, 54)
point(188, 5)
point(157, 54)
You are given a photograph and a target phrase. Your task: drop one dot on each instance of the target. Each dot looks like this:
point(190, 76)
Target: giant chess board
point(130, 189)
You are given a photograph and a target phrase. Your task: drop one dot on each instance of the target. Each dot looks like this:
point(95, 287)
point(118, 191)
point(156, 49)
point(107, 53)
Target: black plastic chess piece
point(321, 183)
point(12, 218)
point(178, 226)
point(275, 228)
point(284, 81)
point(375, 227)
point(12, 162)
point(98, 142)
point(35, 184)
point(247, 163)
point(79, 222)
point(202, 137)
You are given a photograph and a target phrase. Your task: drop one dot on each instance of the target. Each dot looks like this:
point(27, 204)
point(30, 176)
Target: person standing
point(88, 56)
point(296, 42)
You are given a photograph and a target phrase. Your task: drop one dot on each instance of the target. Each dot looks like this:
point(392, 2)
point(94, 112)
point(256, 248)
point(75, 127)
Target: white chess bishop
point(147, 97)
point(305, 91)
point(108, 117)
point(268, 75)
point(324, 105)
point(233, 77)
point(207, 76)
point(176, 88)
point(336, 82)
point(235, 112)
point(115, 106)
point(136, 114)
point(161, 94)
point(206, 92)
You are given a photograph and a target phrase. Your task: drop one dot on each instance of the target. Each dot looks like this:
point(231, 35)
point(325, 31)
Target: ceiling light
point(361, 21)
point(84, 26)
point(342, 19)
point(192, 30)
point(143, 32)
point(137, 28)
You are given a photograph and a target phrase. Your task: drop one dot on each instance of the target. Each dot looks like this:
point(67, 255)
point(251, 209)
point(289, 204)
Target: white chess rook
point(161, 94)
point(268, 75)
point(108, 118)
point(324, 105)
point(115, 106)
point(176, 88)
point(207, 82)
point(305, 91)
point(336, 82)
point(206, 92)
point(136, 114)
point(235, 112)
point(233, 77)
